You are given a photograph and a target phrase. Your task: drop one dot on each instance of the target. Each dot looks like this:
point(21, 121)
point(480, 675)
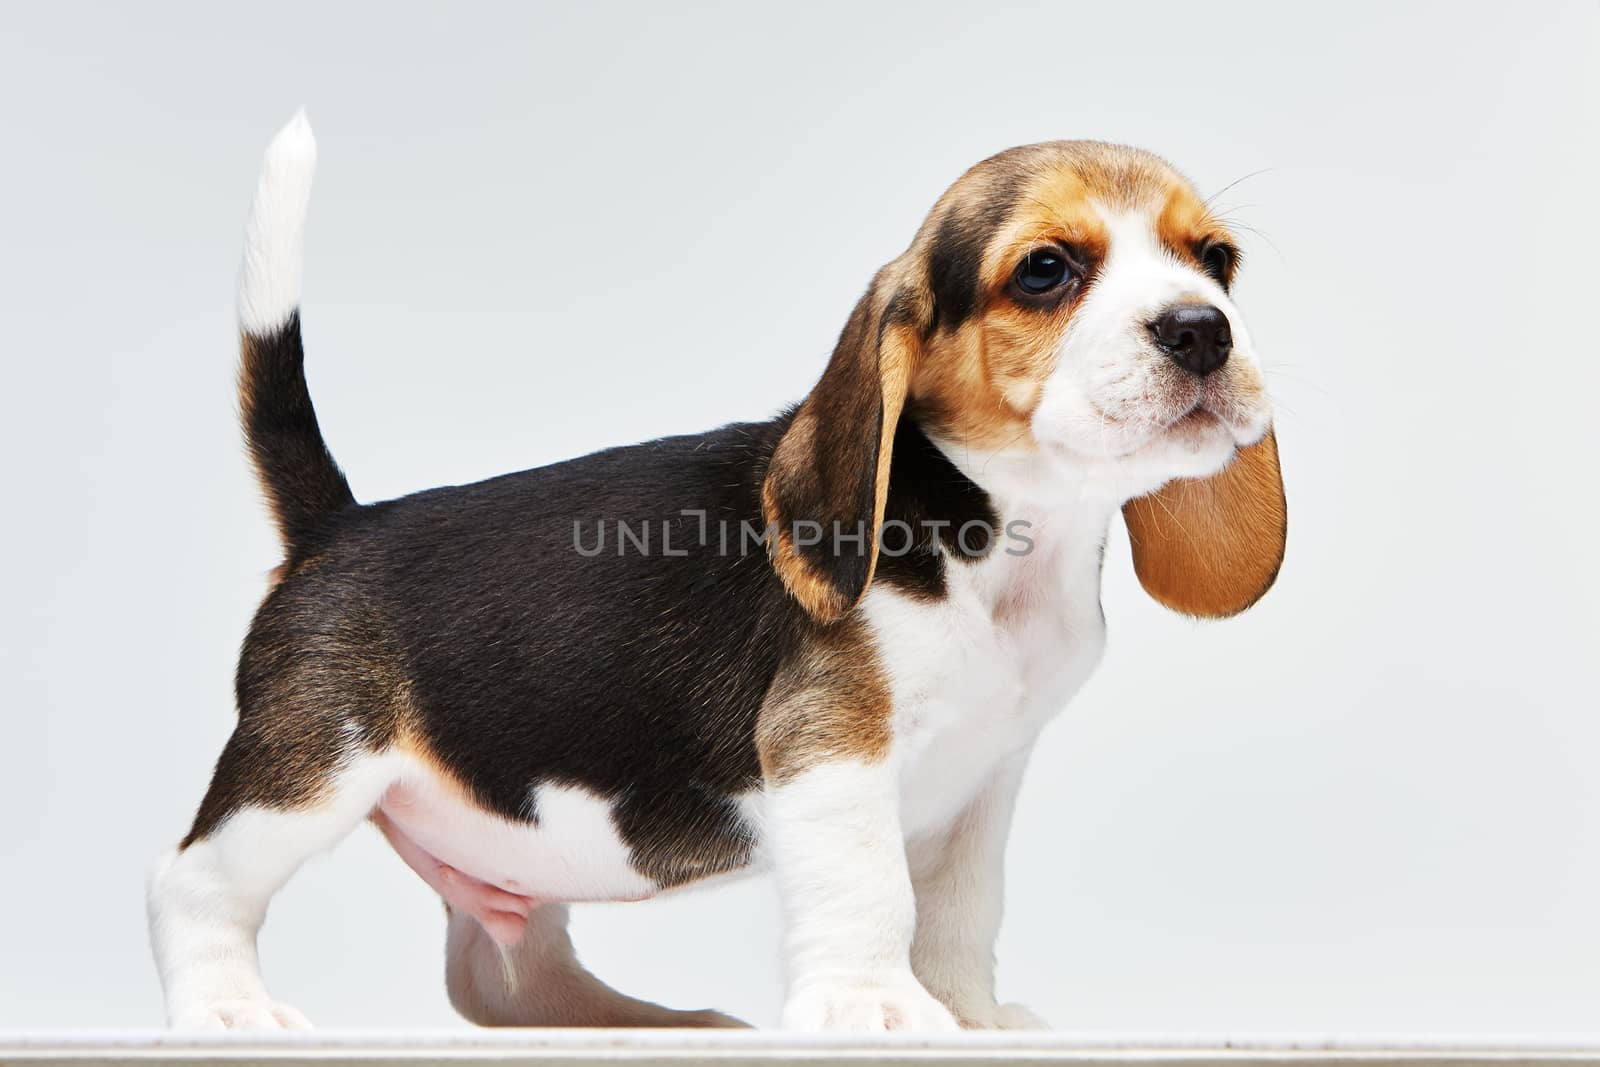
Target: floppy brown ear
point(1212, 546)
point(823, 497)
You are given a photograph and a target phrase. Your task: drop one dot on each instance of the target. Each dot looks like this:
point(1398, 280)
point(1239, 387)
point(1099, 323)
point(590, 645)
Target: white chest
point(976, 674)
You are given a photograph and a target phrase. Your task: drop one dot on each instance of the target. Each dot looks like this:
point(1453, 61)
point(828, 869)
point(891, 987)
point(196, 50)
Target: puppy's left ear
point(825, 487)
point(1211, 547)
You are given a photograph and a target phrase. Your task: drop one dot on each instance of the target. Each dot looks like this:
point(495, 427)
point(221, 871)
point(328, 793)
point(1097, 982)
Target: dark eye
point(1043, 270)
point(1218, 259)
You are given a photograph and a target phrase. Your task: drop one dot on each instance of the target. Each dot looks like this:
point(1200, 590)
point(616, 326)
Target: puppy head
point(1070, 301)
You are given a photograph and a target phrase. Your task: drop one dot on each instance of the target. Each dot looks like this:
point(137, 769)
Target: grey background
point(1369, 805)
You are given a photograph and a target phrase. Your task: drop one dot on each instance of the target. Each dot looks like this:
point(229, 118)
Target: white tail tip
point(269, 280)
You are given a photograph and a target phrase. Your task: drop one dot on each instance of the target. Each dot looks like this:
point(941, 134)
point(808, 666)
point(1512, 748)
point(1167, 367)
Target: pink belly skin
point(503, 914)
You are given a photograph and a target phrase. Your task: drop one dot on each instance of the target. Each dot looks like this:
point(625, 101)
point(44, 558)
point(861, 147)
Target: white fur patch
point(839, 855)
point(573, 852)
point(269, 278)
point(976, 674)
point(959, 877)
point(207, 902)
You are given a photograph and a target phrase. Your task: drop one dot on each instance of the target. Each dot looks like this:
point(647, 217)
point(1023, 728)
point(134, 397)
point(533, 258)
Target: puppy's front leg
point(840, 861)
point(959, 877)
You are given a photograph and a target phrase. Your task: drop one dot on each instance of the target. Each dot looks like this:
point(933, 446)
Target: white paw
point(1018, 1017)
point(1001, 1017)
point(240, 1014)
point(868, 1006)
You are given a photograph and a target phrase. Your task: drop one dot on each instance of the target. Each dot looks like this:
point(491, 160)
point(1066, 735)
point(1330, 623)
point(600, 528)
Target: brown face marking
point(980, 383)
point(829, 701)
point(1186, 228)
point(985, 361)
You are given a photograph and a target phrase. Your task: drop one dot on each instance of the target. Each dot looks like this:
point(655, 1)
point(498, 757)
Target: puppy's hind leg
point(539, 981)
point(208, 897)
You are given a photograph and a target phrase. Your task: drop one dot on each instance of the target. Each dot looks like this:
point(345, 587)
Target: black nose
point(1196, 336)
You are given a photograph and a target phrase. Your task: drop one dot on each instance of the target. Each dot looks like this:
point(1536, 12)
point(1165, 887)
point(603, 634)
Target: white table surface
point(730, 1048)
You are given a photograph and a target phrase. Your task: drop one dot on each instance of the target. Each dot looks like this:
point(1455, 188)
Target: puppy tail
point(302, 483)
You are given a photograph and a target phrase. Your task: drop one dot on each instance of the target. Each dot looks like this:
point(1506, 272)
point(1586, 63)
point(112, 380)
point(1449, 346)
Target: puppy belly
point(498, 870)
point(502, 913)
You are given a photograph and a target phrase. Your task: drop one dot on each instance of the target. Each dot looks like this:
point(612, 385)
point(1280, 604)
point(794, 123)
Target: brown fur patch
point(317, 682)
point(829, 701)
point(1185, 223)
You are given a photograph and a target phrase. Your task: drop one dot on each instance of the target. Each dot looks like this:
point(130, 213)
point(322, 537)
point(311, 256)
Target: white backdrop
point(1369, 805)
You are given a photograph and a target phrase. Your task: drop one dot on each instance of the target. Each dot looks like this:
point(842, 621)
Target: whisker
point(1279, 372)
point(1236, 181)
point(1270, 243)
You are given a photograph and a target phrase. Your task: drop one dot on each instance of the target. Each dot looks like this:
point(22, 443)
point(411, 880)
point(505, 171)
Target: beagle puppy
point(820, 645)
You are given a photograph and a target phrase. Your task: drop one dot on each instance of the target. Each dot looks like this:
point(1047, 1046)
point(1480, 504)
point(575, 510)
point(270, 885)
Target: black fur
point(302, 481)
point(943, 509)
point(470, 613)
point(956, 257)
